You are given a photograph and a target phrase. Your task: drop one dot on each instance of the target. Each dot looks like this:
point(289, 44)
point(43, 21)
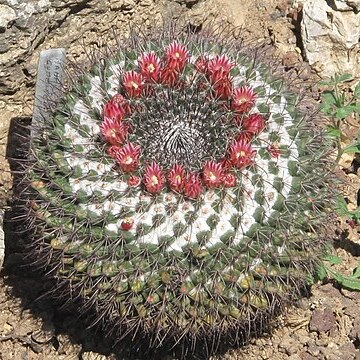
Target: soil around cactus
point(325, 326)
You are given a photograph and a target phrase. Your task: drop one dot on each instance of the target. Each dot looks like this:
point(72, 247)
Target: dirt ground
point(326, 325)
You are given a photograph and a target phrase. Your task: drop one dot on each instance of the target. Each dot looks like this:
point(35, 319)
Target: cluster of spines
point(261, 285)
point(217, 81)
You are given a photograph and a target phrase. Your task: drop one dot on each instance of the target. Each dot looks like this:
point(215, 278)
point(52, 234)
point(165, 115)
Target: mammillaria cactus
point(178, 193)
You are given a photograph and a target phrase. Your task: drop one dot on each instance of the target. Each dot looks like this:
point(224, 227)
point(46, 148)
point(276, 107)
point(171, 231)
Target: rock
point(294, 357)
point(329, 291)
point(347, 351)
point(289, 345)
point(322, 320)
point(89, 355)
point(122, 4)
point(314, 350)
point(31, 21)
point(346, 5)
point(7, 14)
point(2, 242)
point(290, 59)
point(188, 3)
point(27, 27)
point(355, 295)
point(302, 336)
point(330, 36)
point(307, 356)
point(355, 333)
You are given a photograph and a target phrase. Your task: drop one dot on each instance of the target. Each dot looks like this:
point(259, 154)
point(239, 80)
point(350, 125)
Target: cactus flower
point(133, 83)
point(128, 157)
point(212, 174)
point(241, 154)
point(154, 179)
point(149, 65)
point(176, 178)
point(243, 99)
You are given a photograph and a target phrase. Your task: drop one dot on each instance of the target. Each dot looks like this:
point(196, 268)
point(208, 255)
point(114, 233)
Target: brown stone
point(322, 320)
point(307, 356)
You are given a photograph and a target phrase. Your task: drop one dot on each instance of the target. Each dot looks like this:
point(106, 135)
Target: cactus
point(179, 193)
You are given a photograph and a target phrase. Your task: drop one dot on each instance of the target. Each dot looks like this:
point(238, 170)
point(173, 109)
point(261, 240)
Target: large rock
point(330, 35)
point(25, 25)
point(29, 26)
point(347, 5)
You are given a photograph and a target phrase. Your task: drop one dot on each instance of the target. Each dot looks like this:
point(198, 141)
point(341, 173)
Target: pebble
point(322, 320)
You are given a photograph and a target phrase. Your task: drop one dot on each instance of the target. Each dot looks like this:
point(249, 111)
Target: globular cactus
point(178, 193)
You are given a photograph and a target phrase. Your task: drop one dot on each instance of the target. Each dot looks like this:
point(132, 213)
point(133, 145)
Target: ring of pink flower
point(167, 71)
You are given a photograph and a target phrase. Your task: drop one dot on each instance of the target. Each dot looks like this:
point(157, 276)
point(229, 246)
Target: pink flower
point(133, 83)
point(154, 179)
point(193, 187)
point(127, 224)
point(176, 56)
point(212, 174)
point(241, 154)
point(128, 157)
point(229, 180)
point(134, 180)
point(114, 132)
point(116, 108)
point(176, 178)
point(253, 124)
point(149, 65)
point(243, 99)
point(219, 68)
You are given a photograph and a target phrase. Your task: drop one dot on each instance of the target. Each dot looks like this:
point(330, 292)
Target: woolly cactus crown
point(175, 191)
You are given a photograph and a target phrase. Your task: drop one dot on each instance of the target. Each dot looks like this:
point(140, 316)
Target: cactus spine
point(177, 192)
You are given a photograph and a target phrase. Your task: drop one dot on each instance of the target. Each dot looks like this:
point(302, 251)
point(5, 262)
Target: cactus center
point(171, 131)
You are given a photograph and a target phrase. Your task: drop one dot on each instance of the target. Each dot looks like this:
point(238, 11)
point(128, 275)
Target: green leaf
point(328, 98)
point(333, 259)
point(344, 77)
point(351, 149)
point(343, 112)
point(341, 206)
point(353, 284)
point(328, 82)
point(356, 108)
point(357, 90)
point(333, 132)
point(355, 215)
point(320, 273)
point(346, 281)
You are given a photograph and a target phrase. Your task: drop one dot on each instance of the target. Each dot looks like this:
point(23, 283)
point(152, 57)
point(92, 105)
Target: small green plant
point(342, 210)
point(326, 271)
point(338, 106)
